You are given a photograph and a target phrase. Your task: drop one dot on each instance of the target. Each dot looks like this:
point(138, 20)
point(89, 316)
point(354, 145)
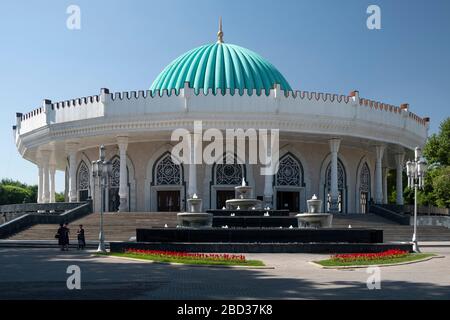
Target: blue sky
point(318, 45)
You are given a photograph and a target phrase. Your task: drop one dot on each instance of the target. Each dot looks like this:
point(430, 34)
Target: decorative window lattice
point(341, 177)
point(83, 177)
point(167, 172)
point(114, 181)
point(289, 172)
point(364, 179)
point(229, 173)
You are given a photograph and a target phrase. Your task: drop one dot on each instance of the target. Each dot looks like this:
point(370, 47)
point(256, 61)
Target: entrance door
point(114, 200)
point(222, 196)
point(168, 201)
point(83, 195)
point(364, 203)
point(288, 200)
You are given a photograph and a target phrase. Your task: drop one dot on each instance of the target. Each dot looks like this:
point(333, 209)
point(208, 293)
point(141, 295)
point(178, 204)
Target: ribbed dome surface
point(220, 66)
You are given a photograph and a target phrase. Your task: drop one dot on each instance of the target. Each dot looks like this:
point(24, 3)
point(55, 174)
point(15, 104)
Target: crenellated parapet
point(322, 109)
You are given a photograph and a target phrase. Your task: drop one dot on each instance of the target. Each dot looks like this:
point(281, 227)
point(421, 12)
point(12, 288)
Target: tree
point(12, 191)
point(441, 186)
point(436, 191)
point(10, 194)
point(59, 197)
point(437, 148)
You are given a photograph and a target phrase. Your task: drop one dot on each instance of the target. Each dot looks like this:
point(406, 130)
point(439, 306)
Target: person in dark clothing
point(60, 236)
point(66, 236)
point(81, 238)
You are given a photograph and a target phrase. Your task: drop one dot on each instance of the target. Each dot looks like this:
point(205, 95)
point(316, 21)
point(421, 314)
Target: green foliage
point(12, 191)
point(441, 186)
point(436, 191)
point(59, 197)
point(437, 149)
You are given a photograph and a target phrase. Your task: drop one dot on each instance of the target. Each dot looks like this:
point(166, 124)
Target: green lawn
point(410, 257)
point(158, 258)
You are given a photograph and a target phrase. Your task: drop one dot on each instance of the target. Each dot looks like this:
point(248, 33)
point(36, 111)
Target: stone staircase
point(122, 226)
point(392, 230)
point(117, 226)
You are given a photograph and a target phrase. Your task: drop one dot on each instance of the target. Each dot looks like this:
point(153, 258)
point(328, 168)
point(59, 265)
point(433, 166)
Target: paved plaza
point(41, 274)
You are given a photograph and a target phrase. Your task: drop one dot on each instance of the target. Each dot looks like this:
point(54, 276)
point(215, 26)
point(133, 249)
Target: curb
point(374, 265)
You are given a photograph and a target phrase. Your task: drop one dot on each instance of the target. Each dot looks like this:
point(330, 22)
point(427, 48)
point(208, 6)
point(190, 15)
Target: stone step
point(122, 226)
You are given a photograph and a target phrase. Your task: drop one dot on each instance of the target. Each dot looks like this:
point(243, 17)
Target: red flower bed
point(389, 254)
point(189, 255)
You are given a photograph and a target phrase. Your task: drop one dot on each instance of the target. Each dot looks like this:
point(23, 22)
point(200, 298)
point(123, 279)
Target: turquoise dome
point(220, 66)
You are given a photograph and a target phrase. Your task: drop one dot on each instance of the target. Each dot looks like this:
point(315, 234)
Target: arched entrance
point(226, 176)
point(364, 188)
point(289, 183)
point(83, 181)
point(113, 199)
point(167, 184)
point(342, 188)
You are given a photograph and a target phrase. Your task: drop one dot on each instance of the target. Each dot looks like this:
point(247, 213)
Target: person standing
point(81, 238)
point(60, 236)
point(66, 236)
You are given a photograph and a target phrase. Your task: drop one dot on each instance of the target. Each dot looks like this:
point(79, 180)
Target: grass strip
point(168, 259)
point(409, 258)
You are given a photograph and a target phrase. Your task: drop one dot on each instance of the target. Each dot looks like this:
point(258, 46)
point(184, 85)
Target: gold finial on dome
point(220, 33)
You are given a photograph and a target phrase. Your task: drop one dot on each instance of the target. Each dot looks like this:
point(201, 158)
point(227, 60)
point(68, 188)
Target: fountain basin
point(314, 205)
point(314, 220)
point(243, 192)
point(194, 220)
point(194, 205)
point(243, 204)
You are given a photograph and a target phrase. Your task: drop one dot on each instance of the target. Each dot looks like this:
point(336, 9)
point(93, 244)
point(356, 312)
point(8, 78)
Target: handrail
point(29, 219)
point(39, 207)
point(400, 218)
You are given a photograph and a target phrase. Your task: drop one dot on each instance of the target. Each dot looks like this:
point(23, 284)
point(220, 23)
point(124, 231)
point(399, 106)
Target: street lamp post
point(415, 171)
point(101, 170)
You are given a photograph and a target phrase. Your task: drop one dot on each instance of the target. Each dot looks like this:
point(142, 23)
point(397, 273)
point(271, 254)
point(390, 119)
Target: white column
point(192, 183)
point(40, 183)
point(399, 158)
point(334, 192)
point(52, 171)
point(268, 190)
point(46, 176)
point(72, 152)
point(46, 184)
point(379, 174)
point(268, 179)
point(385, 190)
point(123, 179)
point(91, 184)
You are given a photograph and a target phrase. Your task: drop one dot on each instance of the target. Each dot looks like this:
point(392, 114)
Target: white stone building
point(336, 146)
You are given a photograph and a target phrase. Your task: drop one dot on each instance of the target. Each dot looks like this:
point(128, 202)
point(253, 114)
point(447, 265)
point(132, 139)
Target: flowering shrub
point(386, 255)
point(189, 255)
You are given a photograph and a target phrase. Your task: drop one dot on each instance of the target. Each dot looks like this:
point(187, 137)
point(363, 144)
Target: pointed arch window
point(364, 188)
point(167, 172)
point(342, 185)
point(83, 178)
point(290, 172)
point(229, 172)
point(115, 174)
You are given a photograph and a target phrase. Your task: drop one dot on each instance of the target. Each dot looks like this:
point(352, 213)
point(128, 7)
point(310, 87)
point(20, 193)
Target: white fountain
point(243, 200)
point(194, 218)
point(314, 218)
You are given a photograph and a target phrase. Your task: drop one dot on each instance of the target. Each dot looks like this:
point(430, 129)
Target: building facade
point(339, 147)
